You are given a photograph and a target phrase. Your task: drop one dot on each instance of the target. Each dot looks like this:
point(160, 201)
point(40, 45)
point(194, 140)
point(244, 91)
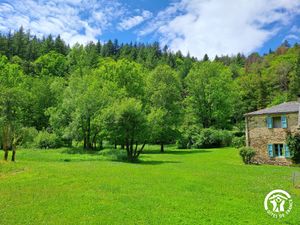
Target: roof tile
point(286, 107)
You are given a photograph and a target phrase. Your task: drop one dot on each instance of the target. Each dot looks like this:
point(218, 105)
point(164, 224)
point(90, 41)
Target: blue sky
point(194, 26)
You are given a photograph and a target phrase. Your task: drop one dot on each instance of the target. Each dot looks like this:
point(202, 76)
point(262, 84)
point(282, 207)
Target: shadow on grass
point(67, 160)
point(154, 162)
point(118, 155)
point(177, 152)
point(80, 151)
point(142, 162)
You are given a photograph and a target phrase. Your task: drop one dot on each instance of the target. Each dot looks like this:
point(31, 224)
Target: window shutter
point(269, 122)
point(287, 151)
point(270, 150)
point(283, 122)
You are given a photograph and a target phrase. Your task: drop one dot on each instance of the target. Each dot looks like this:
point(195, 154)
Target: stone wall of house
point(259, 136)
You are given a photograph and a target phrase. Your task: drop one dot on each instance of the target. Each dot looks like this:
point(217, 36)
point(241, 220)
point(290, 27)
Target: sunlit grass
point(70, 186)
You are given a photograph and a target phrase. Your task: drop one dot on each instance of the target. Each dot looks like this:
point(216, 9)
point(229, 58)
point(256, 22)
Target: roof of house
point(286, 107)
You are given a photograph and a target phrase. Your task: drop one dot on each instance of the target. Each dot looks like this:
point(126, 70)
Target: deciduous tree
point(164, 99)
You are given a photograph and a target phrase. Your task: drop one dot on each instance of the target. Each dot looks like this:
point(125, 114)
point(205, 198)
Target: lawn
point(192, 187)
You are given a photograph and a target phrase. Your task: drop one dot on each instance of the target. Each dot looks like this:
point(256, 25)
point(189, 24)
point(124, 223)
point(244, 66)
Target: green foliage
point(247, 154)
point(28, 137)
point(12, 104)
point(238, 142)
point(295, 79)
point(127, 75)
point(39, 98)
point(47, 85)
point(46, 140)
point(126, 120)
point(183, 142)
point(278, 99)
point(211, 138)
point(82, 104)
point(51, 64)
point(211, 94)
point(187, 133)
point(164, 101)
point(293, 142)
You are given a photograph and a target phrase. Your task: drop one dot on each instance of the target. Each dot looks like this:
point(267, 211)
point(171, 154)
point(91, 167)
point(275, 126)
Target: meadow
point(201, 186)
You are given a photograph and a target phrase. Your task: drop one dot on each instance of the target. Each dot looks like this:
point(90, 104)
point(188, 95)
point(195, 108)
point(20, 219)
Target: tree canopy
point(129, 94)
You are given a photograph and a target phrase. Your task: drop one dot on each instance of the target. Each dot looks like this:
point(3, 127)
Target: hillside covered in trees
point(55, 95)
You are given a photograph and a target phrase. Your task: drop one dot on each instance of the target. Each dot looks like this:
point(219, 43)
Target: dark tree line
point(29, 47)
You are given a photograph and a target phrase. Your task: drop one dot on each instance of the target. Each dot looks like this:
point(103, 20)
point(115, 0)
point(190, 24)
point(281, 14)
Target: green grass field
point(178, 187)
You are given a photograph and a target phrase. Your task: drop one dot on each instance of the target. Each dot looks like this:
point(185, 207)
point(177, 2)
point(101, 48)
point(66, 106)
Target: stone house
point(267, 129)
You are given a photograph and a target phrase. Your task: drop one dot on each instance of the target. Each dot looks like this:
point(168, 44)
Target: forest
point(129, 95)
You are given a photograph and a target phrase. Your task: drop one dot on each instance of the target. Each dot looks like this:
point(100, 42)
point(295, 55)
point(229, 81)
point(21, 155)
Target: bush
point(181, 143)
point(28, 136)
point(238, 142)
point(247, 154)
point(211, 138)
point(45, 139)
point(293, 141)
point(187, 136)
point(226, 138)
point(184, 142)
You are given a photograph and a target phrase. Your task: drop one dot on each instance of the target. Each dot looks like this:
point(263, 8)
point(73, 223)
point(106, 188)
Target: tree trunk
point(14, 147)
point(6, 140)
point(101, 145)
point(94, 143)
point(88, 136)
point(162, 147)
point(141, 149)
point(89, 145)
point(84, 142)
point(69, 143)
point(129, 157)
point(13, 157)
point(129, 152)
point(5, 154)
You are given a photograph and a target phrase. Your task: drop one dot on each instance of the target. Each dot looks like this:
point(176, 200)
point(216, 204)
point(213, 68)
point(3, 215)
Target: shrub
point(45, 139)
point(226, 138)
point(293, 141)
point(247, 154)
point(28, 136)
point(211, 138)
point(187, 136)
point(238, 142)
point(115, 154)
point(184, 142)
point(181, 143)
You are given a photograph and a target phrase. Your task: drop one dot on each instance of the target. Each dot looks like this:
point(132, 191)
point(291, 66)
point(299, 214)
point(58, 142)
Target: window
point(279, 150)
point(277, 122)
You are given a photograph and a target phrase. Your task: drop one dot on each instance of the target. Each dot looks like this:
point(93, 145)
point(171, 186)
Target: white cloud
point(6, 8)
point(294, 34)
point(129, 23)
point(195, 26)
point(221, 27)
point(295, 29)
point(291, 37)
point(76, 20)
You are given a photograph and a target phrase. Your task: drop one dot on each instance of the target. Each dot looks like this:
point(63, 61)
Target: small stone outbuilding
point(267, 129)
